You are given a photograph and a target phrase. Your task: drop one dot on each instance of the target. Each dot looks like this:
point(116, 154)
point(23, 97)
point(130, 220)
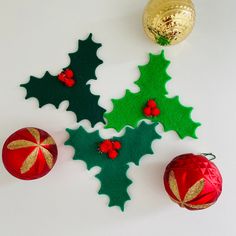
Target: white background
point(36, 36)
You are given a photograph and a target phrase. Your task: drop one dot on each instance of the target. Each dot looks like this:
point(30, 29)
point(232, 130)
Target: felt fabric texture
point(152, 83)
point(82, 102)
point(114, 182)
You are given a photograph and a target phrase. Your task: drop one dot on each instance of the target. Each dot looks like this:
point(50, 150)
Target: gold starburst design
point(38, 146)
point(192, 193)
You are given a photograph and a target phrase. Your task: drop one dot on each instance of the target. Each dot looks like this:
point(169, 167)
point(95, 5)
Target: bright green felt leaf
point(82, 102)
point(152, 83)
point(114, 182)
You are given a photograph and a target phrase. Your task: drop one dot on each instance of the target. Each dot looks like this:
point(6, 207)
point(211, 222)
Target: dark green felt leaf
point(49, 90)
point(114, 181)
point(85, 61)
point(152, 83)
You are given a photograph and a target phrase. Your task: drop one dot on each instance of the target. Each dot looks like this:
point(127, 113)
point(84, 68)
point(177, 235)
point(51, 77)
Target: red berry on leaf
point(69, 82)
point(151, 103)
point(105, 146)
point(155, 111)
point(62, 77)
point(66, 77)
point(112, 154)
point(69, 73)
point(147, 111)
point(116, 145)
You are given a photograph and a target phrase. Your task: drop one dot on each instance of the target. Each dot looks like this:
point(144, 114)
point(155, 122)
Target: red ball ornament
point(193, 181)
point(29, 153)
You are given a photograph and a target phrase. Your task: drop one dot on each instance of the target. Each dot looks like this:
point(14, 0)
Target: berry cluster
point(110, 148)
point(151, 110)
point(66, 77)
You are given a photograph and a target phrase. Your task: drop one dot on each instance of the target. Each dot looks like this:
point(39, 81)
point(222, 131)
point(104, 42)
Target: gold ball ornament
point(168, 22)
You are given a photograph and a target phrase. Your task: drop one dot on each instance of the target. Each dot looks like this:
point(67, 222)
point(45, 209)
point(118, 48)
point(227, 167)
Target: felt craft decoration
point(134, 107)
point(72, 84)
point(132, 146)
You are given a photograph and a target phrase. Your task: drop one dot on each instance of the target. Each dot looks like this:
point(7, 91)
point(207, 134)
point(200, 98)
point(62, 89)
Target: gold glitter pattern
point(20, 144)
point(48, 157)
point(29, 161)
point(195, 190)
point(173, 185)
point(168, 22)
point(38, 146)
point(35, 133)
point(192, 193)
point(199, 207)
point(48, 141)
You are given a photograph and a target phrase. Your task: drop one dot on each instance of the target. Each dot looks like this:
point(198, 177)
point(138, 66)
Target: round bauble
point(193, 181)
point(29, 153)
point(168, 22)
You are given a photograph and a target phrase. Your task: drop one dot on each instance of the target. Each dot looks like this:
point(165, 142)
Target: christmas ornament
point(29, 153)
point(130, 148)
point(168, 22)
point(193, 181)
point(129, 110)
point(72, 84)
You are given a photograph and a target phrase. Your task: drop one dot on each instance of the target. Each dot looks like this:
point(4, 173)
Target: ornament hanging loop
point(209, 156)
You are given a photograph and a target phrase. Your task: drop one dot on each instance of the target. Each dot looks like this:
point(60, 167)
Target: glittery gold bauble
point(168, 22)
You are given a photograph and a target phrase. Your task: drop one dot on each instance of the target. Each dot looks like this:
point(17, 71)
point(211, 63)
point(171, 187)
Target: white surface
point(36, 36)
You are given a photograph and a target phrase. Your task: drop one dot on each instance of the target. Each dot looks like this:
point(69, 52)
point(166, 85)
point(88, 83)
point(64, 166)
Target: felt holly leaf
point(152, 83)
point(135, 143)
point(49, 89)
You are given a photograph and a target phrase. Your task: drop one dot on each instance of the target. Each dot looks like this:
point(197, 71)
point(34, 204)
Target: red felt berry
point(147, 111)
point(112, 154)
point(62, 77)
point(69, 73)
point(151, 103)
point(116, 145)
point(69, 82)
point(155, 111)
point(105, 146)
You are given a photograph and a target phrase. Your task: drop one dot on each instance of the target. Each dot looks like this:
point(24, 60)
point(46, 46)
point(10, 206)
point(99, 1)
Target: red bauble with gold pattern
point(29, 153)
point(193, 181)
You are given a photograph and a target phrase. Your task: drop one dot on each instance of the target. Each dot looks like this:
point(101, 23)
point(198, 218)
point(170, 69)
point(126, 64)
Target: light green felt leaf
point(114, 182)
point(152, 83)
